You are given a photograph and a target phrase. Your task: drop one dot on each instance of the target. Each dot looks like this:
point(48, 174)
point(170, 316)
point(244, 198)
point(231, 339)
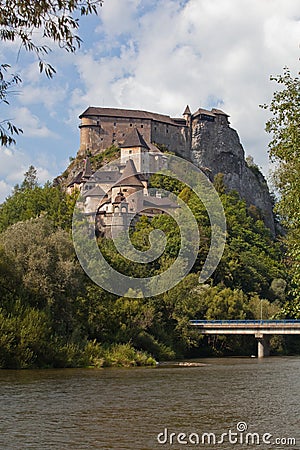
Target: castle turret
point(132, 187)
point(187, 115)
point(87, 170)
point(93, 198)
point(136, 149)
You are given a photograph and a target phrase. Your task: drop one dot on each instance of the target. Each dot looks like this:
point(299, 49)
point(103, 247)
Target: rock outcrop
point(217, 147)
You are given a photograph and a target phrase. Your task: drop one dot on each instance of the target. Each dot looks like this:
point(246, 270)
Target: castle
point(103, 127)
point(203, 137)
point(119, 195)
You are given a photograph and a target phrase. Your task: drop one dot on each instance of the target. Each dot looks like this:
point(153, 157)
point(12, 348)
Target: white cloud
point(119, 17)
point(14, 164)
point(45, 95)
point(30, 123)
point(5, 190)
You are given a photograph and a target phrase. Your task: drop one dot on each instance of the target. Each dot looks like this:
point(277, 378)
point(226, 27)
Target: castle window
point(115, 123)
point(98, 122)
point(142, 126)
point(130, 151)
point(130, 125)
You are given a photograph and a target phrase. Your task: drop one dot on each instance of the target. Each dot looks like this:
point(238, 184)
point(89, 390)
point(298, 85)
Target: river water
point(141, 408)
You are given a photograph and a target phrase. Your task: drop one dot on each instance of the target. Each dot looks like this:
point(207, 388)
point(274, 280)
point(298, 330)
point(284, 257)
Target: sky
point(153, 55)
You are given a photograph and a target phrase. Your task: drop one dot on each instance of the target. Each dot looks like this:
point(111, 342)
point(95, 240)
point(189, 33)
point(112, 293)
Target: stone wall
point(99, 133)
point(174, 137)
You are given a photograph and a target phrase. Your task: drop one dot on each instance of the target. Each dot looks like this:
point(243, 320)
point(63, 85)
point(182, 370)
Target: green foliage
point(31, 200)
point(285, 151)
point(52, 315)
point(105, 157)
point(24, 337)
point(253, 167)
point(7, 87)
point(126, 356)
point(252, 259)
point(166, 182)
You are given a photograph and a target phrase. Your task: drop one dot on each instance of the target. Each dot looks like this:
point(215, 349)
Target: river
point(148, 408)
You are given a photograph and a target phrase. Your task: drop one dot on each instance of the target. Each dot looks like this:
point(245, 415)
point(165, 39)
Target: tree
point(285, 152)
point(31, 200)
point(29, 21)
point(7, 129)
point(30, 179)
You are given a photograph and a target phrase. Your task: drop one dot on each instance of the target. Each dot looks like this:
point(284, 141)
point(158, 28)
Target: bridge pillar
point(263, 345)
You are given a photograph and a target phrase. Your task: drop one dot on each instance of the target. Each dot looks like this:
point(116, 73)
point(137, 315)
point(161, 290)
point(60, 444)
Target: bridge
point(261, 329)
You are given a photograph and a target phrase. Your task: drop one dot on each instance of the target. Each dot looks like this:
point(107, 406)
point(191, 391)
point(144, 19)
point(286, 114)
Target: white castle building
point(121, 194)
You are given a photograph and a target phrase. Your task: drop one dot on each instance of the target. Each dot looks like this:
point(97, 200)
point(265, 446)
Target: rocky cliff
point(217, 147)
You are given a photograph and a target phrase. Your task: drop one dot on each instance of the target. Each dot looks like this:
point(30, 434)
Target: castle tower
point(188, 120)
point(131, 186)
point(119, 216)
point(92, 199)
point(135, 148)
point(87, 170)
point(187, 116)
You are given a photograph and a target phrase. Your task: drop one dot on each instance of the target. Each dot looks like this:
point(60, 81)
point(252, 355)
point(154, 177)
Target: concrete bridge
point(261, 329)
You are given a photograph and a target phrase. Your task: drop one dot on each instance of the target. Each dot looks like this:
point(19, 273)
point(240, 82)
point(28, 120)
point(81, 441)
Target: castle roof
point(153, 148)
point(205, 112)
point(134, 139)
point(219, 112)
point(126, 114)
point(87, 171)
point(213, 113)
point(95, 192)
point(76, 180)
point(129, 176)
point(156, 202)
point(120, 198)
point(187, 111)
point(106, 176)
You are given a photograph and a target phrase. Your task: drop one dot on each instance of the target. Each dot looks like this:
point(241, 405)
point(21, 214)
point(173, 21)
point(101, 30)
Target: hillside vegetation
point(53, 315)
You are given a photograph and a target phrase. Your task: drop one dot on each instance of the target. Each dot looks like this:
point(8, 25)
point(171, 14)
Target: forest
point(53, 315)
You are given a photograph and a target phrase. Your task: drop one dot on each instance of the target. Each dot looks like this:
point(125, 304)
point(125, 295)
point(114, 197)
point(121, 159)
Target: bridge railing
point(244, 322)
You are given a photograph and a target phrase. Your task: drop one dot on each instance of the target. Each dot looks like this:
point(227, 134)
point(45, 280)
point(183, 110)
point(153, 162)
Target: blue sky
point(152, 55)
